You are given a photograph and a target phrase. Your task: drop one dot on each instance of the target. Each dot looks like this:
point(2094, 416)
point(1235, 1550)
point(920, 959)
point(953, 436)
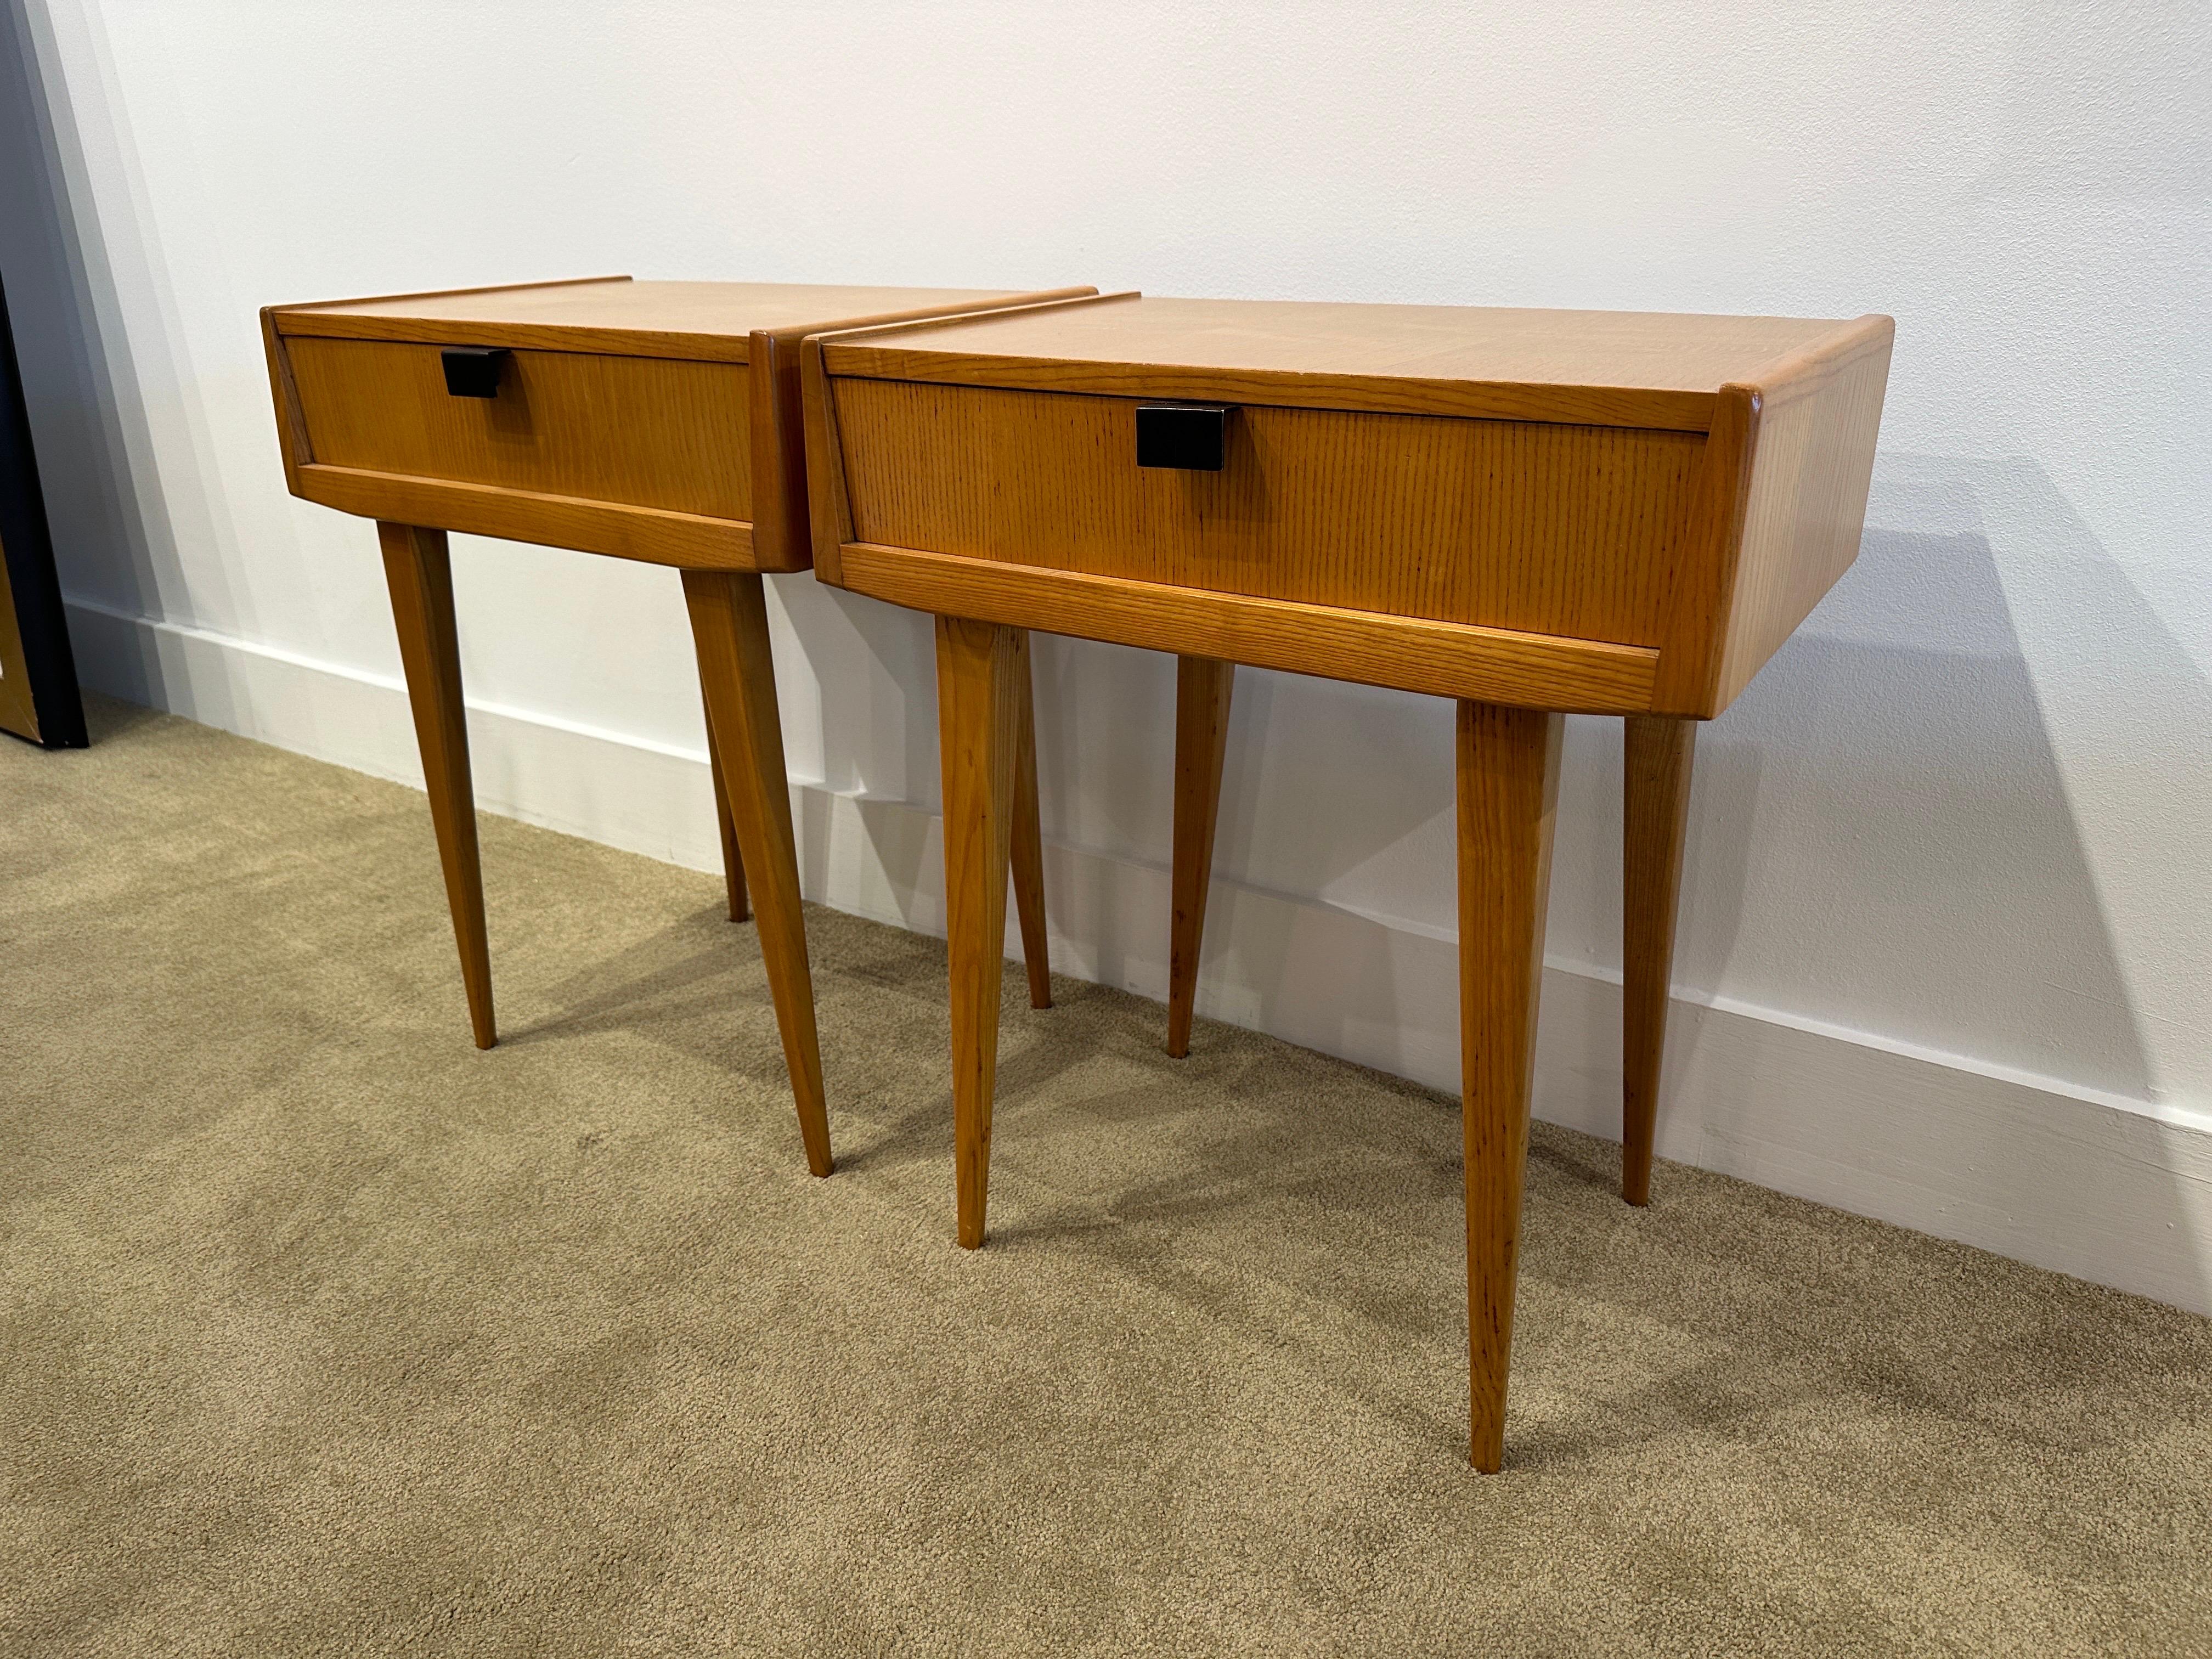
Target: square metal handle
point(474, 371)
point(1188, 437)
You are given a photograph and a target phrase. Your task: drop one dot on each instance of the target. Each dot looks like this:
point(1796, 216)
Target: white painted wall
point(1964, 814)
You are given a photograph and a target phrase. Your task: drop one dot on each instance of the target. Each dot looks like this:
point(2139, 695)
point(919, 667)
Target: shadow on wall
point(1897, 820)
point(1945, 816)
point(1905, 818)
point(1884, 837)
point(1883, 824)
point(84, 384)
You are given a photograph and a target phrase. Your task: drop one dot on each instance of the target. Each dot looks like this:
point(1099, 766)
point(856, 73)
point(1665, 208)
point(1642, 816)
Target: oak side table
point(1533, 512)
point(650, 421)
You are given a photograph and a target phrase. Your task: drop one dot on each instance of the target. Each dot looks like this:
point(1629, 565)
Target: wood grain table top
point(620, 315)
point(1640, 369)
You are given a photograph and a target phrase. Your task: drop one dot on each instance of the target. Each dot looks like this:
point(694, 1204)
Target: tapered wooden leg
point(733, 863)
point(1509, 785)
point(1202, 689)
point(729, 626)
point(1027, 852)
point(1659, 753)
point(420, 572)
point(981, 670)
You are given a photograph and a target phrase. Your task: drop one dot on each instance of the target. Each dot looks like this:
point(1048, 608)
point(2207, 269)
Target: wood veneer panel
point(1537, 527)
point(635, 431)
point(781, 508)
point(1811, 470)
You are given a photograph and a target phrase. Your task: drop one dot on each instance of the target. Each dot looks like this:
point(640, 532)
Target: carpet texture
point(322, 1333)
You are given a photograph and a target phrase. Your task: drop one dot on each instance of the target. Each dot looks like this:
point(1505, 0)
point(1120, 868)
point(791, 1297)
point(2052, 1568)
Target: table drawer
point(1550, 529)
point(655, 433)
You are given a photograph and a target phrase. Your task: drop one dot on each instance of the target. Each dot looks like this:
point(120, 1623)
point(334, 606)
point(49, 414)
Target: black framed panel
point(38, 697)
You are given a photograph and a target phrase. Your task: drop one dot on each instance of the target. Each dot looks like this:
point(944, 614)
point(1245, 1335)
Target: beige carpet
point(322, 1333)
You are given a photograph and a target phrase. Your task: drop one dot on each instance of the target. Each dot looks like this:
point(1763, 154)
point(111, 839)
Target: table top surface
point(1670, 364)
point(618, 313)
point(1667, 351)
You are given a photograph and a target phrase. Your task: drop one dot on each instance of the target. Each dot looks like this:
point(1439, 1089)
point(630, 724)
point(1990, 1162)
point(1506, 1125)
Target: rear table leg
point(1027, 852)
point(1202, 691)
point(1658, 805)
point(733, 863)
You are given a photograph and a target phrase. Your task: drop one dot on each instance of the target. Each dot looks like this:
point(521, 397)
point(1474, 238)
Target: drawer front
point(1550, 529)
point(649, 432)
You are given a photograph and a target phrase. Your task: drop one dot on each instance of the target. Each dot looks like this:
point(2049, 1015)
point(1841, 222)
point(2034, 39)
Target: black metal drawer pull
point(1189, 437)
point(474, 371)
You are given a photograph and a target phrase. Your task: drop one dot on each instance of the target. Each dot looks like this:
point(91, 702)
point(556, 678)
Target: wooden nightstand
point(652, 421)
point(1529, 512)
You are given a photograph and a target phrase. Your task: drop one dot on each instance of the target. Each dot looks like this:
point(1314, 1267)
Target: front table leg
point(420, 572)
point(1656, 812)
point(1509, 787)
point(981, 668)
point(729, 626)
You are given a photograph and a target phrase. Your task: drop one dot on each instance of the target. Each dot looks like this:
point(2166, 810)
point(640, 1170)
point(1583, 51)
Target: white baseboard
point(2110, 1189)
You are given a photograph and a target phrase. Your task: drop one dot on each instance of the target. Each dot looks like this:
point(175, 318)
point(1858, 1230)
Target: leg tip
point(1178, 1034)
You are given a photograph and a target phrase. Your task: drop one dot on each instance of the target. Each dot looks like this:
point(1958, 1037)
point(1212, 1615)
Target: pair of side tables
point(1533, 513)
